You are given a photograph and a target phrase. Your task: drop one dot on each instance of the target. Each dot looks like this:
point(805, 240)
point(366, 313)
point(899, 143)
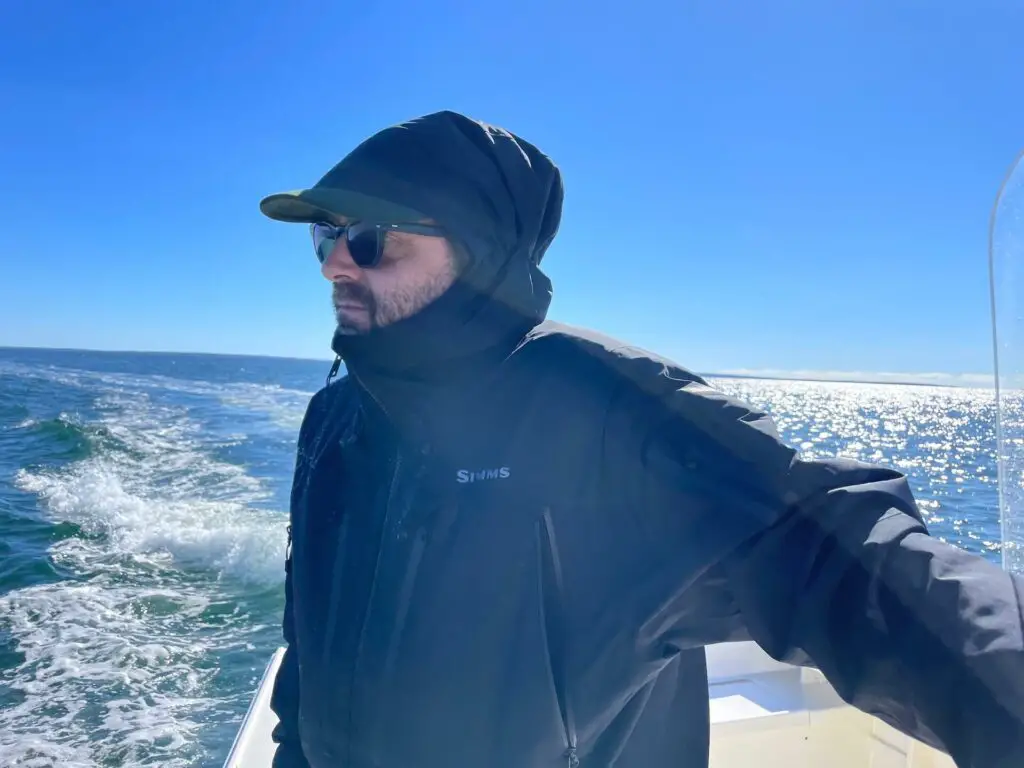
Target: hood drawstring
point(334, 369)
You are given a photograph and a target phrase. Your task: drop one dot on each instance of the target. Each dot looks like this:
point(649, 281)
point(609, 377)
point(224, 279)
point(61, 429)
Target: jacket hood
point(500, 198)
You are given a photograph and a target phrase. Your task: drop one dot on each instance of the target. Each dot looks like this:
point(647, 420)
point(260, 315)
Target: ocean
point(143, 504)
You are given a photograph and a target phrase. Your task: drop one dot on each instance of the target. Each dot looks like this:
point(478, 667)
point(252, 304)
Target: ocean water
point(143, 502)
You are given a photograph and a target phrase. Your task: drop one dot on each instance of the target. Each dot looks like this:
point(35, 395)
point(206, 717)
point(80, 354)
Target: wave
point(111, 674)
point(166, 545)
point(58, 440)
point(283, 405)
point(154, 489)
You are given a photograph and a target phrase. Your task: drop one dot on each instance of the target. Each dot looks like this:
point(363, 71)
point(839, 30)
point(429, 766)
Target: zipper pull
point(334, 369)
point(574, 761)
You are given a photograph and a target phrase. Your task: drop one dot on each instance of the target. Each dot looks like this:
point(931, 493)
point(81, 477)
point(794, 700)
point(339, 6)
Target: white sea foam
point(200, 533)
point(113, 673)
point(118, 660)
point(163, 492)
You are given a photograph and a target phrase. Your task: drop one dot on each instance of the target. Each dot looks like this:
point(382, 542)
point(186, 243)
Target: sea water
point(143, 504)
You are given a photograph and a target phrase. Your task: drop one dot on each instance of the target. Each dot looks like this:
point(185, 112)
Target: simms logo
point(466, 476)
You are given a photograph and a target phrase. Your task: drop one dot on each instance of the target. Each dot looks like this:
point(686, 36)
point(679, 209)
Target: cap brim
point(320, 203)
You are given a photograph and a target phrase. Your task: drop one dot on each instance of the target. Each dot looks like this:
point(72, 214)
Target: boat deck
point(763, 713)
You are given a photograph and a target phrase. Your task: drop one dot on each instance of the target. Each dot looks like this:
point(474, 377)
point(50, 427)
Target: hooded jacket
point(510, 540)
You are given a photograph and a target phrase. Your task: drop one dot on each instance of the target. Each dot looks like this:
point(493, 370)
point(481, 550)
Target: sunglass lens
point(365, 243)
point(324, 238)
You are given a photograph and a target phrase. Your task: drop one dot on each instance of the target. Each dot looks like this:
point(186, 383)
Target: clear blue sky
point(788, 185)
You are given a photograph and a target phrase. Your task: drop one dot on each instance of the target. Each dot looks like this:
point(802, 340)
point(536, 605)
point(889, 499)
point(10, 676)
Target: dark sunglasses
point(365, 240)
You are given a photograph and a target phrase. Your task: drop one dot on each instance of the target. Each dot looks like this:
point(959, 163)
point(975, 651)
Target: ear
point(461, 257)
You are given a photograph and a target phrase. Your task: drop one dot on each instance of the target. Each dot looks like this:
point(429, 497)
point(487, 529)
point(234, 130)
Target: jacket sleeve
point(284, 700)
point(829, 563)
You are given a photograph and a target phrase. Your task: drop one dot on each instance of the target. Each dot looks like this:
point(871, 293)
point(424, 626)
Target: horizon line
point(935, 379)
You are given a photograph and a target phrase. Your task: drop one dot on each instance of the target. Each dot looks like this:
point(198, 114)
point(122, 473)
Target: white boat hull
point(763, 714)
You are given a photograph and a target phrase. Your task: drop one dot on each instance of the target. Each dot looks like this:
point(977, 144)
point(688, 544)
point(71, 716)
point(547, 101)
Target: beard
point(360, 311)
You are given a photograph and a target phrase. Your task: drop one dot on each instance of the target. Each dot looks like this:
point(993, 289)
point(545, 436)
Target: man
point(510, 540)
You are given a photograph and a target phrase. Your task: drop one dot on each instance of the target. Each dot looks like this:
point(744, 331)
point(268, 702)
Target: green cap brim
point(323, 203)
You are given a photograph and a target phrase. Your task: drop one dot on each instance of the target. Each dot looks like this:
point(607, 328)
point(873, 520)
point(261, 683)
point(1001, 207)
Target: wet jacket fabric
point(532, 582)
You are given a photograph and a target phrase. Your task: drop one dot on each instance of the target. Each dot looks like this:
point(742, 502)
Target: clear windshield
point(1006, 270)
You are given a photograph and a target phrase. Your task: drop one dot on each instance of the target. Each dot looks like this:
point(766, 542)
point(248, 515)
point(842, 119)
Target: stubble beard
point(353, 293)
point(378, 312)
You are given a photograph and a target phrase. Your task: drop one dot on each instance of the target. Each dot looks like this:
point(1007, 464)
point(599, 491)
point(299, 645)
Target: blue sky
point(785, 186)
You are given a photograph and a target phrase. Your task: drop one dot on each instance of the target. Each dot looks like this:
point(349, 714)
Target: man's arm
point(285, 697)
point(915, 631)
point(829, 562)
point(284, 700)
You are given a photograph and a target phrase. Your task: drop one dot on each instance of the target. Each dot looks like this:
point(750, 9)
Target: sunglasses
point(365, 240)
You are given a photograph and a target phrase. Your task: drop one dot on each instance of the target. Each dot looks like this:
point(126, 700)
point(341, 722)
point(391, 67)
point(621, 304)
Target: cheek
point(387, 281)
point(427, 273)
point(394, 273)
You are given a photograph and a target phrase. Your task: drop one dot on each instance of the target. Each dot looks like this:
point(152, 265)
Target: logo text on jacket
point(470, 476)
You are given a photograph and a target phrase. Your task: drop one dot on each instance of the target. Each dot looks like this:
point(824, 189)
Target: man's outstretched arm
point(915, 631)
point(828, 562)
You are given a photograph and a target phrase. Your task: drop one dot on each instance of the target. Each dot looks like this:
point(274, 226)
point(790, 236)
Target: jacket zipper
point(555, 630)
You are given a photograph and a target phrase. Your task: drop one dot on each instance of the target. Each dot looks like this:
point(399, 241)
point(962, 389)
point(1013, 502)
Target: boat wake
point(170, 566)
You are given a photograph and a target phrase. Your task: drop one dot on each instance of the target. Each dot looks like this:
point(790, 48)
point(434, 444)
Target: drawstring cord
point(334, 370)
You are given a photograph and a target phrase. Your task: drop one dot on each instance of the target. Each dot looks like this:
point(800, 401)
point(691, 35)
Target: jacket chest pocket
point(335, 540)
point(478, 657)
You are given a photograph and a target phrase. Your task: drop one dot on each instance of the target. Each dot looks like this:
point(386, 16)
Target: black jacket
point(528, 579)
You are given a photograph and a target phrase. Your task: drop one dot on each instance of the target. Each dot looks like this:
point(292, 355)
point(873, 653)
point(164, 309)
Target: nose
point(339, 264)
